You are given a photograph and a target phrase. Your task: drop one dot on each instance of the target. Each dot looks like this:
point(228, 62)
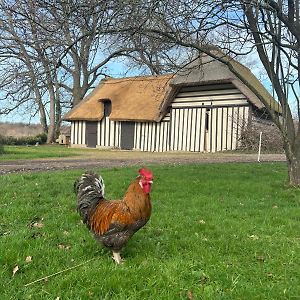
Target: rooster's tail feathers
point(89, 189)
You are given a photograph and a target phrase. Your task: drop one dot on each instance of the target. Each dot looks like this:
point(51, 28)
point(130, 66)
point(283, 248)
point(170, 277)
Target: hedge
point(28, 140)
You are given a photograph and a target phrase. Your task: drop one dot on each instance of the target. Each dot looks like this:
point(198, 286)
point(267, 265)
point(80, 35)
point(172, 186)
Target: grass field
point(220, 231)
point(33, 152)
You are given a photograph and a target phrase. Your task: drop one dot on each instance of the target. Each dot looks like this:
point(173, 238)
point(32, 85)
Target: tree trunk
point(76, 96)
point(57, 110)
point(293, 162)
point(42, 113)
point(77, 92)
point(51, 134)
point(43, 119)
point(52, 127)
point(76, 82)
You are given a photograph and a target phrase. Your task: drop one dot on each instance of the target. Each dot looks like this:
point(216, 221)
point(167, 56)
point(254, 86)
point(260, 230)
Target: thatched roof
point(133, 99)
point(207, 70)
point(147, 98)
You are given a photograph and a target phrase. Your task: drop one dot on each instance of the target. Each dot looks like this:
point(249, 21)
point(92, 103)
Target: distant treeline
point(18, 130)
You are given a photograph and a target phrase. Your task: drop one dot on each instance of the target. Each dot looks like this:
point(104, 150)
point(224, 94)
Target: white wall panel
point(78, 133)
point(108, 133)
point(72, 133)
point(188, 130)
point(152, 136)
point(83, 133)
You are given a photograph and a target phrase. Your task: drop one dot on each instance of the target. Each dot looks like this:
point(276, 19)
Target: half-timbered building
point(201, 109)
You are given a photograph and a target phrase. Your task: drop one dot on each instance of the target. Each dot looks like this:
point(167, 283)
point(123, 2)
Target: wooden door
point(127, 135)
point(91, 134)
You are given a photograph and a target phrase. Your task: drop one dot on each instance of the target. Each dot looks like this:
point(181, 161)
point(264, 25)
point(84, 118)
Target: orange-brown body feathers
point(114, 222)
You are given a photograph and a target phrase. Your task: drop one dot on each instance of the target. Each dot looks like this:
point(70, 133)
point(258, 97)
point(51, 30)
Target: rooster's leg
point(117, 257)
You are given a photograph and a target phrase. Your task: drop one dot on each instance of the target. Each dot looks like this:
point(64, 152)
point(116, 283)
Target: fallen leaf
point(65, 247)
point(190, 295)
point(28, 259)
point(35, 221)
point(38, 225)
point(36, 235)
point(203, 279)
point(15, 270)
point(260, 258)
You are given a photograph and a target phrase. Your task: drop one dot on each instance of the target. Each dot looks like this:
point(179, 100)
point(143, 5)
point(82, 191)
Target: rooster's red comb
point(146, 173)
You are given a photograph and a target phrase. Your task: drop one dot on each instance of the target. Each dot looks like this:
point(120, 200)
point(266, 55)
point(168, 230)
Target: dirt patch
point(110, 159)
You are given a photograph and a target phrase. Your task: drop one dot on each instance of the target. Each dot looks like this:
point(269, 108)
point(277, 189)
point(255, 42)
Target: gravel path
point(121, 159)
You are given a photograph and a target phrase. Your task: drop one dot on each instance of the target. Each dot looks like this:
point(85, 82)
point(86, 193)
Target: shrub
point(271, 138)
point(42, 137)
point(28, 140)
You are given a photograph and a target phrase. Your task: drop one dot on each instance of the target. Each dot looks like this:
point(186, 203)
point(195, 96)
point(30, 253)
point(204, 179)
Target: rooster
point(114, 222)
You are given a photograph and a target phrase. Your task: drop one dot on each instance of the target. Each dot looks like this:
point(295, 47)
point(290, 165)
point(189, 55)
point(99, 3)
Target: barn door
point(127, 135)
point(91, 134)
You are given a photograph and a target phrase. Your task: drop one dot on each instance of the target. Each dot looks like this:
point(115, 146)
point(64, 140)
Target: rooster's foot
point(117, 257)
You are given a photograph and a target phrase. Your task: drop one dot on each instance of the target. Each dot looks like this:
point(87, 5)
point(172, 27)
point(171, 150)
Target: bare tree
point(270, 29)
point(42, 58)
point(88, 45)
point(21, 80)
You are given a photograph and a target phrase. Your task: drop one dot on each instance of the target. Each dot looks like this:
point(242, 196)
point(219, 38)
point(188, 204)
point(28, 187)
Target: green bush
point(28, 140)
point(42, 137)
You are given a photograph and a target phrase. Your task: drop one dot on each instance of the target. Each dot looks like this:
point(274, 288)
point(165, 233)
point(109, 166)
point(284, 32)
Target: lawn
point(35, 152)
point(219, 231)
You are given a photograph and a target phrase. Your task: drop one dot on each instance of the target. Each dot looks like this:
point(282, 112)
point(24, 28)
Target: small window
point(107, 108)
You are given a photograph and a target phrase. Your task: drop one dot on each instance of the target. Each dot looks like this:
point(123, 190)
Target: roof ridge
point(138, 78)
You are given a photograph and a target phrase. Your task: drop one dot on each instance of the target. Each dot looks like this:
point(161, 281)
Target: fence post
point(259, 147)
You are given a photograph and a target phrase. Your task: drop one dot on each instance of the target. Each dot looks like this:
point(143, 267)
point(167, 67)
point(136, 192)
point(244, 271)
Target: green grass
point(33, 152)
point(220, 231)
